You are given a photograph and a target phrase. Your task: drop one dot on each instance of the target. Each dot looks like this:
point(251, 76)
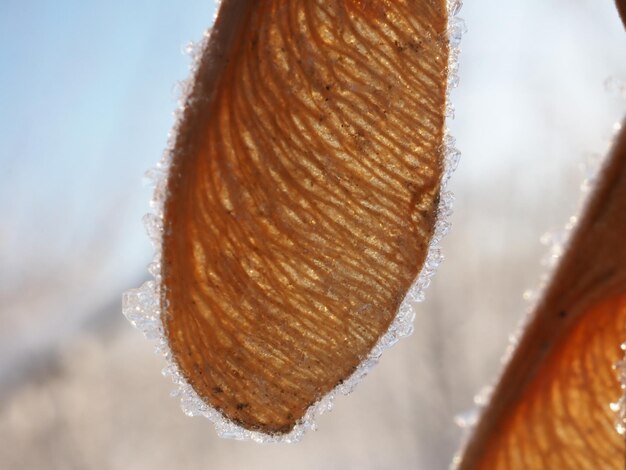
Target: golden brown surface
point(564, 420)
point(302, 196)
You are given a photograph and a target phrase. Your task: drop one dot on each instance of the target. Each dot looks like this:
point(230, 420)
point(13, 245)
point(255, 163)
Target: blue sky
point(87, 95)
point(87, 92)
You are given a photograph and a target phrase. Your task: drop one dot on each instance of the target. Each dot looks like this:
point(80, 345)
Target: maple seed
point(302, 196)
point(550, 408)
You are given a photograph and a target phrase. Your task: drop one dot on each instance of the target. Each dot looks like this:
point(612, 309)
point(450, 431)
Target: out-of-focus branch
point(621, 8)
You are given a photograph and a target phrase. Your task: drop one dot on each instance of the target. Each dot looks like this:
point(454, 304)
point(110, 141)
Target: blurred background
point(87, 94)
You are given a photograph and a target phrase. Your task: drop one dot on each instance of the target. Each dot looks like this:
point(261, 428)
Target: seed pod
point(301, 198)
point(551, 407)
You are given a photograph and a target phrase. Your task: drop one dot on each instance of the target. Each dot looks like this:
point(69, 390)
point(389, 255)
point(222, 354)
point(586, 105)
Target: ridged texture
point(302, 197)
point(564, 420)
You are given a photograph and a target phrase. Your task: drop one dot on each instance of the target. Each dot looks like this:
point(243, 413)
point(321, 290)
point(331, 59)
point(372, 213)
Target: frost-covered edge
point(141, 306)
point(619, 406)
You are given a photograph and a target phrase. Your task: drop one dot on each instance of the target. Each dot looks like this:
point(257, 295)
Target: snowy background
point(87, 94)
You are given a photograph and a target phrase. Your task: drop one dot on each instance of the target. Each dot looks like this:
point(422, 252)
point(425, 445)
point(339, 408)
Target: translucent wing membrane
point(301, 198)
point(564, 419)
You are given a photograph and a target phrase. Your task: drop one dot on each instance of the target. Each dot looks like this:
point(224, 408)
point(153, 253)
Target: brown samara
point(302, 196)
